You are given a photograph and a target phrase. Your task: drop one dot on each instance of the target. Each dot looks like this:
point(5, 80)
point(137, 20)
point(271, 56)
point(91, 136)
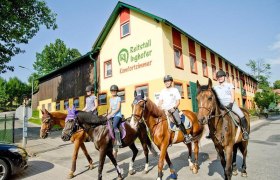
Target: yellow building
point(136, 49)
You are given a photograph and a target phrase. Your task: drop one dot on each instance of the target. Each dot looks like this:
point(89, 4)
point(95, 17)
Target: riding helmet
point(114, 88)
point(167, 78)
point(89, 88)
point(220, 73)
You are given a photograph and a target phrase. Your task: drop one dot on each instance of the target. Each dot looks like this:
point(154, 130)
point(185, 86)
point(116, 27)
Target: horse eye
point(210, 98)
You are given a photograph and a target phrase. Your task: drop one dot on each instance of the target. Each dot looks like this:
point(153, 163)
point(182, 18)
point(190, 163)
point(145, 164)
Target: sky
point(238, 30)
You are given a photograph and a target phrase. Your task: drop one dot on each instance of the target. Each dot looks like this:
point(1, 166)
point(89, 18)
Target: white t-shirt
point(223, 92)
point(169, 96)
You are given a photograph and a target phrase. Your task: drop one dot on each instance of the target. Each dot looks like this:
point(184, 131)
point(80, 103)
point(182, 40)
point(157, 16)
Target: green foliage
point(276, 84)
point(54, 56)
point(263, 99)
point(259, 68)
point(20, 21)
point(3, 95)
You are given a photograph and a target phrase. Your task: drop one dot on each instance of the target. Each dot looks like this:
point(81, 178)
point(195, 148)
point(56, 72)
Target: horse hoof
point(70, 176)
point(146, 172)
point(131, 172)
point(120, 178)
point(244, 175)
point(234, 173)
point(173, 176)
point(194, 171)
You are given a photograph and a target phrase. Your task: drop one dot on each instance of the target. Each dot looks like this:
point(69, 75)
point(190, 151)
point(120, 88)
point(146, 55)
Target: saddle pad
point(184, 120)
point(121, 128)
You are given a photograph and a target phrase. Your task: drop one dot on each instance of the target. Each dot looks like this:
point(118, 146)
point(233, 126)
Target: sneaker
point(188, 139)
point(245, 136)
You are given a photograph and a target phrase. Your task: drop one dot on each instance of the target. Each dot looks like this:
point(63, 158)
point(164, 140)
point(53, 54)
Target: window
point(108, 69)
point(189, 91)
point(102, 99)
point(232, 78)
point(66, 104)
point(179, 86)
point(121, 94)
point(125, 29)
point(193, 64)
point(178, 58)
point(214, 72)
point(57, 106)
point(227, 75)
point(204, 68)
point(220, 64)
point(144, 88)
point(49, 107)
point(76, 103)
point(237, 82)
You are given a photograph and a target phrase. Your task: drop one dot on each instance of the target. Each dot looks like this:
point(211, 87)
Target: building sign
point(135, 57)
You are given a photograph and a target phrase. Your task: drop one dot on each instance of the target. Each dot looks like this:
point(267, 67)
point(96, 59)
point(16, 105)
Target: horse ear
point(209, 83)
point(46, 111)
point(142, 94)
point(135, 93)
point(42, 111)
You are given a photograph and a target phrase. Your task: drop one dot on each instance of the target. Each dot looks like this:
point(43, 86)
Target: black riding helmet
point(114, 88)
point(167, 78)
point(89, 88)
point(220, 73)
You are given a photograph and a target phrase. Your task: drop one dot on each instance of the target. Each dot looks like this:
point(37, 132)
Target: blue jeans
point(116, 122)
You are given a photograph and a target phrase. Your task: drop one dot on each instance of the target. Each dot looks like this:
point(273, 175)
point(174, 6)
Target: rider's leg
point(243, 121)
point(116, 122)
point(181, 126)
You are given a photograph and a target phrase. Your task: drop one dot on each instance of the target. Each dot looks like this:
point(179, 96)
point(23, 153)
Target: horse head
point(71, 125)
point(47, 123)
point(206, 100)
point(138, 108)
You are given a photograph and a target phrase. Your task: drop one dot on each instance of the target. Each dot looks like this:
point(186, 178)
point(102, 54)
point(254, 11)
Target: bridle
point(140, 118)
point(48, 120)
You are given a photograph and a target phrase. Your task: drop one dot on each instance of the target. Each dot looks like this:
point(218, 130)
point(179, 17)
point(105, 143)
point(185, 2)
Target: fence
point(7, 126)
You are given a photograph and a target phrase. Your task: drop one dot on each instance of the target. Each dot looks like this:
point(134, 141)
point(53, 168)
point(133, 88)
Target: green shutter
point(193, 95)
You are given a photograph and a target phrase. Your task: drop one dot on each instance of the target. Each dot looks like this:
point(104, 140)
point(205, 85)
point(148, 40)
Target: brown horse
point(155, 119)
point(103, 142)
point(226, 136)
point(58, 118)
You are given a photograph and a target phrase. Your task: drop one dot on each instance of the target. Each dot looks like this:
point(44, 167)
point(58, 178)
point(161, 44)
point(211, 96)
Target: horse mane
point(157, 112)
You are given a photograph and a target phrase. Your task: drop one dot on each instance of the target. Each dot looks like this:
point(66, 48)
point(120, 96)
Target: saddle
point(121, 128)
point(171, 121)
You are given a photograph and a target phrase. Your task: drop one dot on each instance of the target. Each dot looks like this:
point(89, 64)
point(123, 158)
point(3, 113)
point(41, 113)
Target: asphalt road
point(51, 158)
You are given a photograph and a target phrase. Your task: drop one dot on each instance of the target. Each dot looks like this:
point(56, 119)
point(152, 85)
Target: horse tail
point(149, 142)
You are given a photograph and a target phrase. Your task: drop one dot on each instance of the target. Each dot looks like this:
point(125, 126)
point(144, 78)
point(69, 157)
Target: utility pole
point(32, 84)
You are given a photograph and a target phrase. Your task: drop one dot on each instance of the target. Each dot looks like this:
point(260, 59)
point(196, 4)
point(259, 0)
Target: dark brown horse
point(226, 136)
point(103, 141)
point(58, 118)
point(155, 119)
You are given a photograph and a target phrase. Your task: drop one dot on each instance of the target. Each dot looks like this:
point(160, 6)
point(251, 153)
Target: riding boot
point(118, 141)
point(244, 127)
point(188, 137)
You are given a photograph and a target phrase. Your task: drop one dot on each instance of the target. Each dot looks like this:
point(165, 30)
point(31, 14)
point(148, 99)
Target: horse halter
point(48, 120)
point(140, 118)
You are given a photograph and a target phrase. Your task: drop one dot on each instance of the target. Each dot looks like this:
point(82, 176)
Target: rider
point(91, 101)
point(169, 100)
point(115, 113)
point(225, 93)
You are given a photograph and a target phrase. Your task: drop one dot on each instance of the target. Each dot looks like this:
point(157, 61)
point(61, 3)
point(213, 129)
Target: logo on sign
point(123, 56)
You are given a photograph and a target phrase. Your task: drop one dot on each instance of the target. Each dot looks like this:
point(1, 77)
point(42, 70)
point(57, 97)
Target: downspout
point(95, 73)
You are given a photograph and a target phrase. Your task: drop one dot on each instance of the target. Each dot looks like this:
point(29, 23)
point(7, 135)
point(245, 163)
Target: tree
point(20, 21)
point(259, 69)
point(276, 84)
point(54, 56)
point(3, 95)
point(263, 99)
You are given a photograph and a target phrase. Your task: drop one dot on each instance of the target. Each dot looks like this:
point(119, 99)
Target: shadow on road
point(34, 168)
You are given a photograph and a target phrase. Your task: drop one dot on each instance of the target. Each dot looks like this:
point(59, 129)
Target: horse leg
point(84, 149)
point(221, 154)
point(172, 170)
point(114, 162)
point(189, 145)
point(102, 156)
point(196, 151)
point(135, 152)
point(163, 150)
point(146, 153)
point(234, 167)
point(228, 169)
point(77, 145)
point(243, 149)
